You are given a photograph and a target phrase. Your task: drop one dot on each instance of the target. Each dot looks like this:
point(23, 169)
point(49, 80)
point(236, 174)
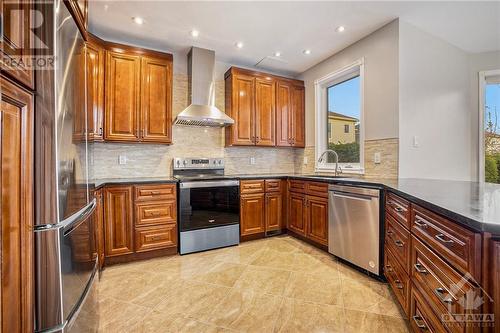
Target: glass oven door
point(208, 204)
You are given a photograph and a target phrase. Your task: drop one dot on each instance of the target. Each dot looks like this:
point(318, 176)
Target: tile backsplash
point(155, 160)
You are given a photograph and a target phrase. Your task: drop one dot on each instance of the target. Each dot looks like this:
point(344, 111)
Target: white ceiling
point(287, 26)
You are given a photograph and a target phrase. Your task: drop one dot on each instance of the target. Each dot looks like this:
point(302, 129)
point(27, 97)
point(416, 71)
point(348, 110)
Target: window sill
point(344, 171)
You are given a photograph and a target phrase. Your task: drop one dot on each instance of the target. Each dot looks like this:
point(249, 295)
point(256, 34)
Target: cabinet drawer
point(422, 319)
point(252, 186)
point(440, 284)
point(458, 246)
point(398, 279)
point(397, 239)
point(399, 208)
point(155, 213)
point(157, 237)
point(155, 192)
point(273, 185)
point(297, 186)
point(317, 189)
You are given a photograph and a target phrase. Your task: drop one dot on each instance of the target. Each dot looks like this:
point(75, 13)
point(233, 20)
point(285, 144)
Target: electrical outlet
point(252, 160)
point(377, 157)
point(305, 160)
point(122, 159)
point(416, 144)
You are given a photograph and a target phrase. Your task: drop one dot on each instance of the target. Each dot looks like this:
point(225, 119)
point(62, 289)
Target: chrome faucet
point(337, 168)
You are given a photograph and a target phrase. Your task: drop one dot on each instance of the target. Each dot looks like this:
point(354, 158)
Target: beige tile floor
point(278, 284)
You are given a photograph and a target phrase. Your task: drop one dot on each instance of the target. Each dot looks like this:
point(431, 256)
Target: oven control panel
point(198, 163)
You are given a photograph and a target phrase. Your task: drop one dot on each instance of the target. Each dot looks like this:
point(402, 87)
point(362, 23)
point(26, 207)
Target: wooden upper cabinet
point(156, 100)
point(119, 224)
point(267, 110)
point(138, 95)
point(283, 111)
point(265, 114)
point(16, 219)
point(242, 110)
point(79, 10)
point(317, 219)
point(122, 96)
point(95, 89)
point(252, 214)
point(298, 116)
point(17, 42)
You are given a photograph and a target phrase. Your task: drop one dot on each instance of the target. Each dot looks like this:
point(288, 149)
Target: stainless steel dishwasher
point(354, 225)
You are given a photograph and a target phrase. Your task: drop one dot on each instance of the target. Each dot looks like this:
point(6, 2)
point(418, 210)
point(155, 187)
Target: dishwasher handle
point(352, 196)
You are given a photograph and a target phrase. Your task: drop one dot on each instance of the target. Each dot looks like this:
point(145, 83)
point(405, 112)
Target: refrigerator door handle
point(71, 222)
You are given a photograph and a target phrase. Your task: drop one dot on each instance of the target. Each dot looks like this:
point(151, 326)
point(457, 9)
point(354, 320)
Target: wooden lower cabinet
point(139, 219)
point(118, 216)
point(99, 227)
point(16, 219)
point(155, 237)
point(252, 214)
point(317, 219)
point(296, 213)
point(274, 211)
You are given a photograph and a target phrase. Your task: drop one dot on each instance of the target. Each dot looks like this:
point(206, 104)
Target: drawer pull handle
point(441, 238)
point(398, 283)
point(155, 192)
point(398, 209)
point(399, 243)
point(388, 268)
point(211, 221)
point(418, 268)
point(420, 223)
point(440, 294)
point(419, 322)
point(389, 232)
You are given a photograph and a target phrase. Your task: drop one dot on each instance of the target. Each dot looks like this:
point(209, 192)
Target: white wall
point(380, 50)
point(478, 62)
point(434, 105)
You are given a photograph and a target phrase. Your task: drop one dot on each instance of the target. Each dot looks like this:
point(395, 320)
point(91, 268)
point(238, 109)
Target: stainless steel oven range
point(209, 205)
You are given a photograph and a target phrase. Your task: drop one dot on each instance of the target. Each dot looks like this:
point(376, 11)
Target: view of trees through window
point(343, 121)
point(492, 131)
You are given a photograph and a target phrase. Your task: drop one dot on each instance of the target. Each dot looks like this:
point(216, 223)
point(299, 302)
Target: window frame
point(321, 86)
point(347, 129)
point(482, 88)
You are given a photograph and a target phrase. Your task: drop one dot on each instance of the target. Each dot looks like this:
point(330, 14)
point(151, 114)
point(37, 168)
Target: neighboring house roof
point(340, 115)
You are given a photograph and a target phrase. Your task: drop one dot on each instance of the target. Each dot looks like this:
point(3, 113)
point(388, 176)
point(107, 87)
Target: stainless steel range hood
point(202, 110)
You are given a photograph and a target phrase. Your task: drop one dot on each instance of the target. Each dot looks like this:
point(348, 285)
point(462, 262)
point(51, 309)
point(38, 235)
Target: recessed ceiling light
point(239, 45)
point(195, 33)
point(307, 51)
point(138, 20)
point(277, 54)
point(340, 28)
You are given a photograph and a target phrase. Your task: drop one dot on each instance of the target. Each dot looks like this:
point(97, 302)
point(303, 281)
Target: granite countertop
point(138, 180)
point(472, 204)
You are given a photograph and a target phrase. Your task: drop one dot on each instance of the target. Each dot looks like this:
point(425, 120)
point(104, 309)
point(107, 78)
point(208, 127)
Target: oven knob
point(184, 162)
point(178, 163)
point(220, 162)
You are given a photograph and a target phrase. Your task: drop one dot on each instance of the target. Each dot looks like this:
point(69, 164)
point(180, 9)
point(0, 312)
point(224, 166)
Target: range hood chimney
point(202, 110)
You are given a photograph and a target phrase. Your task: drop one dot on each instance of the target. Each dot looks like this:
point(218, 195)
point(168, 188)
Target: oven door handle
point(215, 183)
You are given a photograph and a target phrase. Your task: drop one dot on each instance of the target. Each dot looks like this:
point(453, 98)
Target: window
point(339, 116)
point(489, 91)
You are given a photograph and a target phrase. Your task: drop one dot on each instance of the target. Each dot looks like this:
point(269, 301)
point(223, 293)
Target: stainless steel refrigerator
point(65, 246)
